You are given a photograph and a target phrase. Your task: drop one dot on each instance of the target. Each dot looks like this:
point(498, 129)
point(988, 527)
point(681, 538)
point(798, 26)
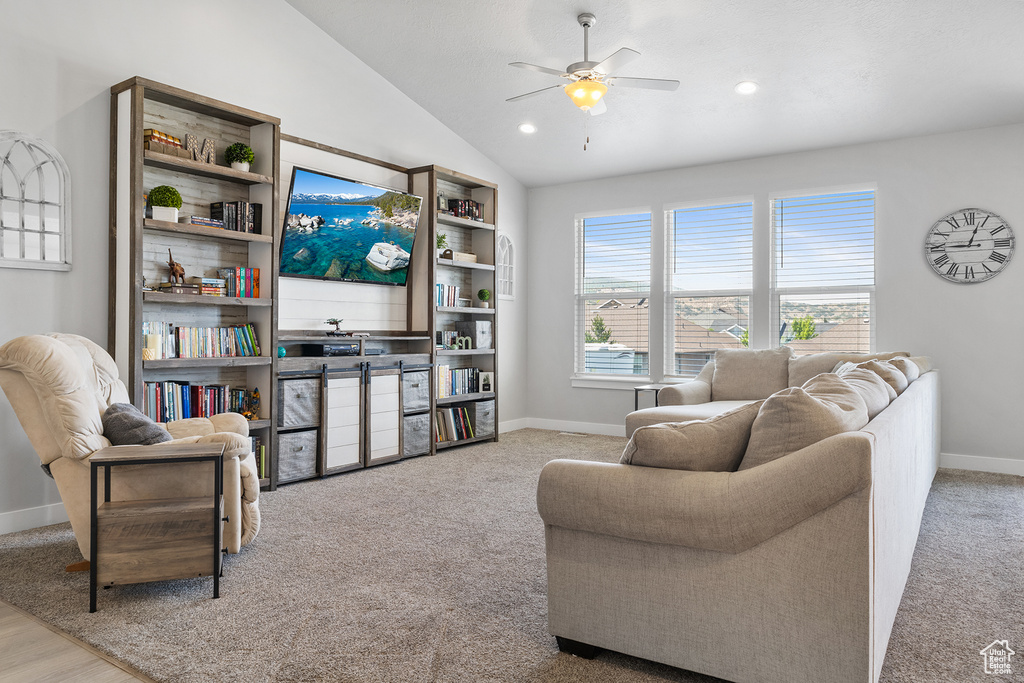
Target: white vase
point(240, 165)
point(165, 213)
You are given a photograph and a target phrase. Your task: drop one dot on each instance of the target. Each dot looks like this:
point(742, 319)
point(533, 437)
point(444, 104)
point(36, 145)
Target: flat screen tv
point(347, 231)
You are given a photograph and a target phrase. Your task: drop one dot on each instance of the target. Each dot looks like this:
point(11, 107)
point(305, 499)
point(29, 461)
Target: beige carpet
point(433, 570)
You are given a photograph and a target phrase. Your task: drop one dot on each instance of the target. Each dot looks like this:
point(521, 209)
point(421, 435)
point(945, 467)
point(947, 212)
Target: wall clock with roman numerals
point(969, 246)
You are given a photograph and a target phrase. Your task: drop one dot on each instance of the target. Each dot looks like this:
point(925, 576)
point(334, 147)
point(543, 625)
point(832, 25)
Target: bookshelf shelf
point(203, 231)
point(465, 264)
point(204, 299)
point(169, 163)
point(475, 310)
point(228, 362)
point(464, 352)
point(478, 396)
point(462, 442)
point(458, 222)
point(140, 246)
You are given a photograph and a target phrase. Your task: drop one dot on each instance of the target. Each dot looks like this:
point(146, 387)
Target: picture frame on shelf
point(486, 382)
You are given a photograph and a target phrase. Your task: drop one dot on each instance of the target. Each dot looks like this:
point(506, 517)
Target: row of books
point(457, 381)
point(453, 424)
point(241, 282)
point(465, 208)
point(201, 220)
point(447, 295)
point(170, 341)
point(239, 216)
point(259, 450)
point(169, 400)
point(446, 339)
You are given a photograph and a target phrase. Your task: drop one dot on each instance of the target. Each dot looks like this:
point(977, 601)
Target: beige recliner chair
point(60, 385)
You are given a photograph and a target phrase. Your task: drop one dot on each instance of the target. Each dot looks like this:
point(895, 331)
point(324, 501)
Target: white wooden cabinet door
point(344, 428)
point(385, 418)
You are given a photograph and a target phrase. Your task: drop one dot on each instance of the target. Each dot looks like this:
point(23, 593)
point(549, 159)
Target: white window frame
point(672, 294)
point(581, 378)
point(776, 293)
point(41, 153)
point(505, 263)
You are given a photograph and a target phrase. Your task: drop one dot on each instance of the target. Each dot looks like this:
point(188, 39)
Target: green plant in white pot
point(485, 296)
point(164, 202)
point(239, 155)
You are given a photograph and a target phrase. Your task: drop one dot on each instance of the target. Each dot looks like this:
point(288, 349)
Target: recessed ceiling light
point(746, 88)
point(527, 128)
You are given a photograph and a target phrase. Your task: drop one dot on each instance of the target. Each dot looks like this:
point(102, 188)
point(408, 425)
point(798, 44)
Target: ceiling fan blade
point(647, 83)
point(598, 108)
point(531, 94)
point(534, 67)
point(620, 58)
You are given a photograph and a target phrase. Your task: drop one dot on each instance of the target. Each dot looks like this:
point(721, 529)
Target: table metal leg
point(93, 526)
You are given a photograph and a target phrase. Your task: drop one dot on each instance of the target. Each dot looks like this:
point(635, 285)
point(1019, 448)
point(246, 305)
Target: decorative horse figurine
point(177, 274)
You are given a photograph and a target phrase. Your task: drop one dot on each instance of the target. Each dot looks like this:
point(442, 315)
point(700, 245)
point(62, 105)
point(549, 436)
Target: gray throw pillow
point(126, 425)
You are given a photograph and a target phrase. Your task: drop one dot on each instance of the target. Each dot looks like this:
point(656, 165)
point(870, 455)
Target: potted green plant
point(484, 295)
point(239, 155)
point(442, 243)
point(337, 325)
point(164, 202)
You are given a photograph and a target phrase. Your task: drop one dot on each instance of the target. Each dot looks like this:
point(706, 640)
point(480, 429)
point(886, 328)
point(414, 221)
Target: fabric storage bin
point(415, 434)
point(296, 455)
point(415, 391)
point(481, 416)
point(299, 403)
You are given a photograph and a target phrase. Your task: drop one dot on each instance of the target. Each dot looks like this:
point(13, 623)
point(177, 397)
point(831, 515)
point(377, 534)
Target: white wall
point(972, 332)
point(57, 63)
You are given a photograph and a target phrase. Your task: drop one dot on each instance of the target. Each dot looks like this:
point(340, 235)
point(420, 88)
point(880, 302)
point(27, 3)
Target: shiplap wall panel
point(199, 258)
point(177, 122)
point(306, 304)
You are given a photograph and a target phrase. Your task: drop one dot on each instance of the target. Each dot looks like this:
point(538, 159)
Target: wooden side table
point(135, 541)
point(647, 387)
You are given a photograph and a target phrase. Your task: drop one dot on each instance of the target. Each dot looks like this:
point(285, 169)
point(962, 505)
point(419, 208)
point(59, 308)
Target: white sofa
point(791, 570)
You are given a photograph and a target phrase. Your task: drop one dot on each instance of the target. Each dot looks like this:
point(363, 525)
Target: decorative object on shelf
point(486, 381)
point(252, 412)
point(479, 331)
point(162, 143)
point(239, 156)
point(484, 295)
point(176, 272)
point(466, 258)
point(969, 246)
point(164, 202)
point(337, 325)
point(281, 352)
point(442, 244)
point(148, 354)
point(207, 154)
point(463, 343)
point(463, 302)
point(448, 254)
point(442, 201)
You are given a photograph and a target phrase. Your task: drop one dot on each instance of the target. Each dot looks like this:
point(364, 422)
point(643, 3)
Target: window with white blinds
point(613, 286)
point(711, 256)
point(824, 271)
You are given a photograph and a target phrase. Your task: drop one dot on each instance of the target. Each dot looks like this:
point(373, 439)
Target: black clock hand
point(973, 234)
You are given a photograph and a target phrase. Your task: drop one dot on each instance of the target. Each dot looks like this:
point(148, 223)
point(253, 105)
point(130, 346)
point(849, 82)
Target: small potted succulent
point(239, 155)
point(442, 244)
point(484, 295)
point(164, 202)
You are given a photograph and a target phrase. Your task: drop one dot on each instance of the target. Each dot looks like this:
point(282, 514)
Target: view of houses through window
point(822, 282)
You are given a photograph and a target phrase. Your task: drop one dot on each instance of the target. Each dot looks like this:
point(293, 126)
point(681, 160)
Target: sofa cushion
point(713, 445)
point(908, 367)
point(746, 374)
point(877, 394)
point(888, 372)
point(678, 413)
point(802, 368)
point(796, 417)
point(923, 363)
point(126, 425)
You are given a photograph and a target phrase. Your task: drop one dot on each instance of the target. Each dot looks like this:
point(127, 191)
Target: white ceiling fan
point(589, 81)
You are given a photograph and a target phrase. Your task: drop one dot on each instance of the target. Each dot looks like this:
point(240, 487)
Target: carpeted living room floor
point(432, 569)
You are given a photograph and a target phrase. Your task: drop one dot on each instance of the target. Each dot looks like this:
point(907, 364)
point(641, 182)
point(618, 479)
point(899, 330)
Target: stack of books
point(201, 220)
point(169, 400)
point(170, 341)
point(447, 295)
point(173, 288)
point(453, 424)
point(457, 381)
point(465, 208)
point(241, 282)
point(210, 286)
point(238, 216)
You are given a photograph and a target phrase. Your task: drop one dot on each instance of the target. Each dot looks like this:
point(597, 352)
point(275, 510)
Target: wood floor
point(31, 650)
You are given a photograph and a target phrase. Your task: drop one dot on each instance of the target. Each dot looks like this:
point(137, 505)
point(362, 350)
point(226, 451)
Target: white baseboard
point(30, 518)
point(982, 464)
point(567, 426)
point(513, 425)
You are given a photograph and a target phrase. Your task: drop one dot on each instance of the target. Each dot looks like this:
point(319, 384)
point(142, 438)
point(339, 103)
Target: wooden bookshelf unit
point(139, 245)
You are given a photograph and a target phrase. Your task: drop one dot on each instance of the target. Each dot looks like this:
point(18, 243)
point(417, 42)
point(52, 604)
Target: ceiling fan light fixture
point(585, 93)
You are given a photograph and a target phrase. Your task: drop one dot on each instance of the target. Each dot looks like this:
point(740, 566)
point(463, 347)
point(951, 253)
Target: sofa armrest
point(235, 445)
point(686, 394)
point(722, 511)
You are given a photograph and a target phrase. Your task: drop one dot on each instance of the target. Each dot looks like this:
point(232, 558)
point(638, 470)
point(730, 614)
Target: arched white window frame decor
point(506, 267)
point(35, 191)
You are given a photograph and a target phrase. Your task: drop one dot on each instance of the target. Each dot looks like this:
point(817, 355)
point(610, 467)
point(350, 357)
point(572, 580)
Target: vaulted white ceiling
point(832, 72)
